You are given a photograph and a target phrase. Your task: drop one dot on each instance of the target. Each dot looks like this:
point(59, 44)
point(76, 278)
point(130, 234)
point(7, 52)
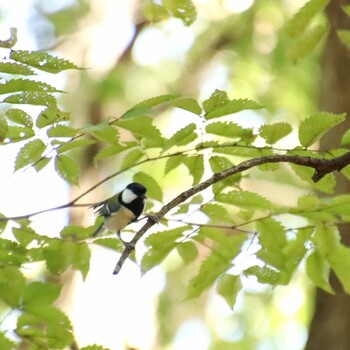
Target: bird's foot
point(153, 218)
point(129, 245)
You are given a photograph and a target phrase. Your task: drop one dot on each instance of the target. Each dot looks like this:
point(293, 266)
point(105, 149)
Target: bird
point(121, 209)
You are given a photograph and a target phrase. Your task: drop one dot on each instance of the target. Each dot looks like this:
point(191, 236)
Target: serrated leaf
point(143, 129)
point(264, 274)
point(188, 251)
point(19, 133)
point(67, 168)
point(25, 235)
point(62, 131)
point(42, 60)
point(173, 162)
point(161, 244)
point(30, 153)
point(110, 242)
point(232, 107)
point(32, 98)
point(318, 270)
point(12, 285)
point(217, 100)
point(3, 128)
point(145, 107)
point(109, 152)
point(3, 224)
point(272, 234)
point(81, 259)
point(195, 166)
point(344, 36)
point(67, 146)
point(182, 9)
point(345, 140)
point(15, 85)
point(77, 232)
point(153, 189)
point(106, 133)
point(300, 21)
point(228, 287)
point(132, 158)
point(182, 137)
point(50, 116)
point(39, 293)
point(216, 212)
point(228, 129)
point(306, 44)
point(326, 240)
point(20, 117)
point(245, 200)
point(187, 104)
point(315, 126)
point(15, 68)
point(340, 263)
point(274, 132)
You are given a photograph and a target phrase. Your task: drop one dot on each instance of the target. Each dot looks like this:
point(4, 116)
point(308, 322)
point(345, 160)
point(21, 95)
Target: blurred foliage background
point(133, 50)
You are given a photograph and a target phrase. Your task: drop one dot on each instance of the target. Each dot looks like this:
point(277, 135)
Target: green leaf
point(318, 270)
point(68, 169)
point(106, 133)
point(274, 132)
point(182, 137)
point(20, 117)
point(245, 200)
point(228, 129)
point(233, 106)
point(327, 240)
point(110, 242)
point(15, 85)
point(195, 166)
point(228, 287)
point(307, 43)
point(81, 258)
point(42, 60)
point(143, 129)
point(32, 98)
point(71, 144)
point(182, 9)
point(173, 162)
point(109, 152)
point(15, 68)
point(77, 232)
point(188, 251)
point(132, 158)
point(5, 343)
point(40, 293)
point(315, 126)
point(216, 212)
point(153, 189)
point(217, 100)
point(11, 41)
point(340, 263)
point(301, 20)
point(187, 104)
point(30, 153)
point(3, 224)
point(3, 128)
point(61, 131)
point(12, 285)
point(50, 116)
point(94, 347)
point(145, 107)
point(264, 274)
point(345, 140)
point(25, 235)
point(272, 234)
point(344, 36)
point(153, 12)
point(161, 244)
point(19, 133)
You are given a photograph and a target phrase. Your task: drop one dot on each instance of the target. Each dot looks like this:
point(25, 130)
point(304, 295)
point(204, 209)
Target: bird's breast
point(119, 220)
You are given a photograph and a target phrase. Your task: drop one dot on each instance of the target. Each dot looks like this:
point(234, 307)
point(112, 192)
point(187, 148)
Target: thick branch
point(322, 167)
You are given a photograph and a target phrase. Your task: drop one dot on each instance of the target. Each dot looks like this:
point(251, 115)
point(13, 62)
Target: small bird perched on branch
point(122, 209)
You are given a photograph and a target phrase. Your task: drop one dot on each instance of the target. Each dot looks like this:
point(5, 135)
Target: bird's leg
point(151, 217)
point(126, 244)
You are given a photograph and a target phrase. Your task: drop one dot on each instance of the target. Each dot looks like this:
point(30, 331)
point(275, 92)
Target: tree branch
point(322, 167)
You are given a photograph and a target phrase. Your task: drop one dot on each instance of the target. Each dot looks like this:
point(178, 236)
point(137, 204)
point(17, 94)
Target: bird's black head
point(133, 197)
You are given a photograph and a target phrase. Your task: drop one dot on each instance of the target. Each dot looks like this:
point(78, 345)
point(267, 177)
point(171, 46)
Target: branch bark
point(322, 167)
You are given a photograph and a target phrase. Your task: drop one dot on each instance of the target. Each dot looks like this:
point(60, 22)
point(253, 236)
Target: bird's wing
point(108, 207)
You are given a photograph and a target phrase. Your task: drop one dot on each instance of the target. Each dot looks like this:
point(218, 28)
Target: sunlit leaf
point(34, 98)
point(50, 116)
point(15, 68)
point(42, 60)
point(274, 132)
point(188, 251)
point(182, 9)
point(29, 153)
point(20, 117)
point(11, 41)
point(217, 100)
point(14, 85)
point(67, 168)
point(182, 137)
point(228, 287)
point(195, 166)
point(153, 189)
point(62, 131)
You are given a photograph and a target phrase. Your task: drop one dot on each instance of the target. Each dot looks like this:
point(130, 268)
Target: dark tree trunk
point(330, 327)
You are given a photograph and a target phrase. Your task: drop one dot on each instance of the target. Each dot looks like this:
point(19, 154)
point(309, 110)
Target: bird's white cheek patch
point(128, 196)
